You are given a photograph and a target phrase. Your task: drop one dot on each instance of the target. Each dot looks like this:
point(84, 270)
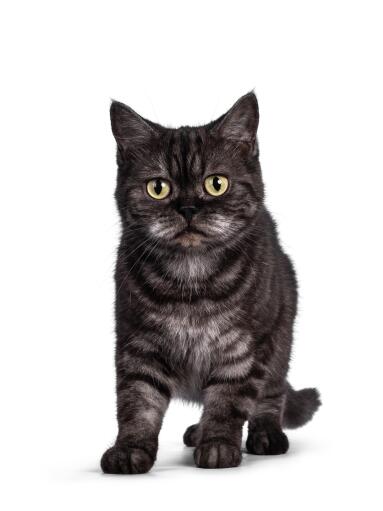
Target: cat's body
point(205, 296)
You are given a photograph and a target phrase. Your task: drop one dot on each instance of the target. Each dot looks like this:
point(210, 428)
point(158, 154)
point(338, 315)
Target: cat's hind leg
point(265, 435)
point(191, 435)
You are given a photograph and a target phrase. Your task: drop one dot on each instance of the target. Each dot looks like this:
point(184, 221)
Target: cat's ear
point(240, 123)
point(129, 129)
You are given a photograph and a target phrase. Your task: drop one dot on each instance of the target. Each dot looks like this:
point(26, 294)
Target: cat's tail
point(300, 406)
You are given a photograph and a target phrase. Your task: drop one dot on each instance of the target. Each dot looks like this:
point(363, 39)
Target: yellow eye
point(216, 185)
point(158, 188)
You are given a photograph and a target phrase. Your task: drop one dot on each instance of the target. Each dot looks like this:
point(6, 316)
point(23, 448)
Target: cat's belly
point(189, 388)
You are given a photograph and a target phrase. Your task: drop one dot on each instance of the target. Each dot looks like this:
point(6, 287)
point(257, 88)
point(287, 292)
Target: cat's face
point(191, 188)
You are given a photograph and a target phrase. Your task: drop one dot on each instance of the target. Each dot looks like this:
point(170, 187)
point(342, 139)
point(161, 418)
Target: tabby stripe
point(199, 144)
point(229, 259)
point(233, 361)
point(151, 292)
point(177, 162)
point(151, 356)
point(276, 395)
point(169, 155)
point(150, 380)
point(184, 149)
point(249, 391)
point(249, 188)
point(257, 372)
point(227, 381)
point(156, 297)
point(135, 323)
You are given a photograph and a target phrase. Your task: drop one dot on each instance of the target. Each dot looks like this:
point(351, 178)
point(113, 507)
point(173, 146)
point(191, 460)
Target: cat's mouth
point(190, 237)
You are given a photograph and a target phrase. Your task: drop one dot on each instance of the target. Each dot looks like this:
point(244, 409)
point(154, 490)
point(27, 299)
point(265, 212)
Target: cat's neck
point(192, 266)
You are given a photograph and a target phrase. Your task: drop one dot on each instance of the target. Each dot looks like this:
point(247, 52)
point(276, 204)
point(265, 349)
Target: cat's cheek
point(155, 229)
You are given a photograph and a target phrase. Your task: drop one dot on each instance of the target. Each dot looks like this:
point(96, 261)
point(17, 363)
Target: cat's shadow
point(185, 459)
point(182, 457)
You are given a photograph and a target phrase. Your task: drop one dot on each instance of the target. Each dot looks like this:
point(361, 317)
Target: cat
point(205, 296)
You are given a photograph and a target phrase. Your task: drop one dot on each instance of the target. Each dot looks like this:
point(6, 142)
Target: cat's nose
point(187, 212)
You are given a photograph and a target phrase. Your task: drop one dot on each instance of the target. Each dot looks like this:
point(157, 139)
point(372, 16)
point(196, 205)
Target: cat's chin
point(189, 239)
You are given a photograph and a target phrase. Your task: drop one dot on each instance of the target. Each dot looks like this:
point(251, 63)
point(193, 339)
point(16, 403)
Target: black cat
point(205, 296)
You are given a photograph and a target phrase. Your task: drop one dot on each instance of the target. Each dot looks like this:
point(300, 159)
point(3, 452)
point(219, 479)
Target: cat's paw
point(268, 440)
point(126, 460)
point(217, 454)
point(191, 436)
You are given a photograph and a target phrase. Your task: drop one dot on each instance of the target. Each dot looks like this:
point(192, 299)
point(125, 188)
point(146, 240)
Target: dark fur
point(203, 317)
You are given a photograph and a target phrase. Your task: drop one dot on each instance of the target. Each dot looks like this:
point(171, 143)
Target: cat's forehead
point(188, 153)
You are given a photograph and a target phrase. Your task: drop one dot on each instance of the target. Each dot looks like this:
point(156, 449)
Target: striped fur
point(204, 315)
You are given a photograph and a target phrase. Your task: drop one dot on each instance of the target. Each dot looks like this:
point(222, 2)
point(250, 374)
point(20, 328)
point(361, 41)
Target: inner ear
point(130, 129)
point(240, 123)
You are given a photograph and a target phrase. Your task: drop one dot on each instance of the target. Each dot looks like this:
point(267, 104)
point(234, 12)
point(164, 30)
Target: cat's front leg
point(220, 428)
point(143, 394)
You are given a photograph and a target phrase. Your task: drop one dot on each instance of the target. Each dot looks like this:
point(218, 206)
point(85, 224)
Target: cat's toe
point(217, 455)
point(267, 441)
point(126, 460)
point(190, 436)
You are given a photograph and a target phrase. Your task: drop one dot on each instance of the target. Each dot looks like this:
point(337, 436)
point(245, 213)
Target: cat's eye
point(158, 188)
point(216, 185)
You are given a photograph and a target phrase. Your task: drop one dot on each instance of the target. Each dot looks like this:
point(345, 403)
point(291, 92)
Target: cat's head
point(191, 188)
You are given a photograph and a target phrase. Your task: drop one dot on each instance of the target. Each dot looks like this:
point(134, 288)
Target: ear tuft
point(129, 128)
point(240, 123)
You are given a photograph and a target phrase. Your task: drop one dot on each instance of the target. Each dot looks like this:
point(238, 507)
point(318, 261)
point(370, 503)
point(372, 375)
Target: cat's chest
point(192, 336)
point(190, 325)
point(197, 326)
point(192, 347)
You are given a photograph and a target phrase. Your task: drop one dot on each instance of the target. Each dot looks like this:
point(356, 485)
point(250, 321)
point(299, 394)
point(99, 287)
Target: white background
point(317, 70)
